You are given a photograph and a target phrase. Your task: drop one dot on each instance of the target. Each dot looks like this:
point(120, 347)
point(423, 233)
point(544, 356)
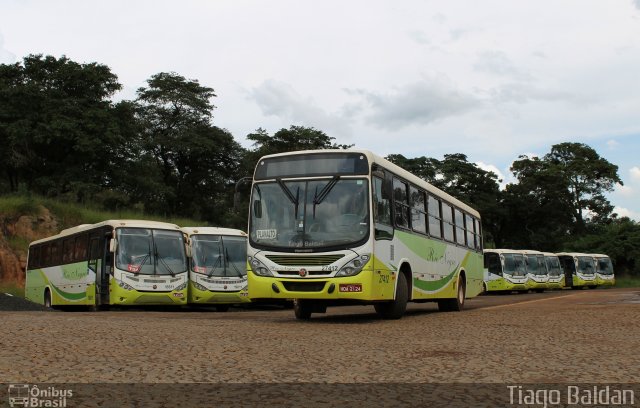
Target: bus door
point(94, 265)
point(568, 267)
point(105, 269)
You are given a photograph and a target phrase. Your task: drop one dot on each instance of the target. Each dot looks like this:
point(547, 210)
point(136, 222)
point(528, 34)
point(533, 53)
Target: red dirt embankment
point(20, 231)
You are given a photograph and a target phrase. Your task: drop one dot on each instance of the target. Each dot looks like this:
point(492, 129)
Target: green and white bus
point(337, 227)
point(579, 270)
point(115, 262)
point(504, 271)
point(556, 275)
point(537, 275)
point(604, 270)
point(218, 266)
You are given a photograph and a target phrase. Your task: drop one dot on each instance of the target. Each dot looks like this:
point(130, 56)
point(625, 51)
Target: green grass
point(12, 289)
point(627, 282)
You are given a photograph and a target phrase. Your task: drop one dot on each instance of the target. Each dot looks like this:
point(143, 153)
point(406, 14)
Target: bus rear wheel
point(396, 308)
point(456, 304)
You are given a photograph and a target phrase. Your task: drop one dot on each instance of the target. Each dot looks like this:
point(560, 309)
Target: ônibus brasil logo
point(25, 395)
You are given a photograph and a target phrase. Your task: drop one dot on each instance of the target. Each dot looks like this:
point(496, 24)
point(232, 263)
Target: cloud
point(418, 103)
point(6, 57)
point(623, 212)
point(636, 3)
point(522, 93)
point(497, 63)
point(635, 171)
point(624, 191)
point(494, 169)
point(280, 99)
point(612, 144)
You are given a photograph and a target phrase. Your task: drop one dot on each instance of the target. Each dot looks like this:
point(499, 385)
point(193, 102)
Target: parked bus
point(604, 270)
point(504, 271)
point(335, 227)
point(579, 270)
point(115, 262)
point(537, 275)
point(218, 266)
point(556, 275)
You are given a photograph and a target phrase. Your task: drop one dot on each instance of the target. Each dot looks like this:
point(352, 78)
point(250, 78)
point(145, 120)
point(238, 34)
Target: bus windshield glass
point(309, 214)
point(604, 266)
point(514, 264)
point(586, 265)
point(553, 265)
point(150, 251)
point(218, 255)
point(535, 265)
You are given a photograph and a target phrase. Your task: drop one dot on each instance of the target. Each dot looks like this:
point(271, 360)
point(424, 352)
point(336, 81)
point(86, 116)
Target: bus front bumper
point(120, 296)
point(197, 296)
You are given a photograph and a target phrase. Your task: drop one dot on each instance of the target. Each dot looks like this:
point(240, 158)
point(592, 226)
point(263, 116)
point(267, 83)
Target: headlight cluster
point(199, 286)
point(354, 266)
point(182, 286)
point(258, 267)
point(124, 285)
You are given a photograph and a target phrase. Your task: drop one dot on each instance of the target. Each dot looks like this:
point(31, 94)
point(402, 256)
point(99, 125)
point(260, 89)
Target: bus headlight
point(199, 286)
point(258, 268)
point(354, 266)
point(124, 286)
point(182, 286)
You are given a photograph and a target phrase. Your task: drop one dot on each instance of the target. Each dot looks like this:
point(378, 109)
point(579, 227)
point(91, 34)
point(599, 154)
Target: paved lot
point(588, 336)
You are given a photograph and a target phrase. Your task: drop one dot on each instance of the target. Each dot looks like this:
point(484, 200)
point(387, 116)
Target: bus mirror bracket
point(257, 209)
point(113, 244)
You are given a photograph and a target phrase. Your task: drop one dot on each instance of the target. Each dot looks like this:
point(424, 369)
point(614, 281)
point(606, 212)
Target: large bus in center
point(218, 266)
point(504, 271)
point(537, 275)
point(115, 262)
point(604, 270)
point(341, 227)
point(556, 275)
point(579, 270)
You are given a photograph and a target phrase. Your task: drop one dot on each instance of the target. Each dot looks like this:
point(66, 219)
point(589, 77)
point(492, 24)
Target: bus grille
point(304, 260)
point(303, 286)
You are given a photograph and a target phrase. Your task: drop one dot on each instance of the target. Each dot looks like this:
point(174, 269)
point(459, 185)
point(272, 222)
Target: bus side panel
point(70, 284)
point(34, 286)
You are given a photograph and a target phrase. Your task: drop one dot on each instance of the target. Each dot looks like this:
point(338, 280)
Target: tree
point(55, 123)
point(198, 162)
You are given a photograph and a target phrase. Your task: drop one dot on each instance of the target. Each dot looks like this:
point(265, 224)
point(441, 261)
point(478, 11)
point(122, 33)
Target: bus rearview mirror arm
point(236, 194)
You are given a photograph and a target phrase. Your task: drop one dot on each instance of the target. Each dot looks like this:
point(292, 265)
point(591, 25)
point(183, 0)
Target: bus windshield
point(535, 265)
point(319, 213)
point(514, 264)
point(586, 265)
point(217, 255)
point(553, 265)
point(150, 251)
point(604, 266)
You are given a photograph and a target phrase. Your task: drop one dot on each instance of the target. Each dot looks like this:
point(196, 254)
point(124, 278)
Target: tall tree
point(198, 162)
point(56, 121)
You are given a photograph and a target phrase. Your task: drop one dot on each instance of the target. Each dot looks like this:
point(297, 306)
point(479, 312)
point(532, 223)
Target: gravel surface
point(561, 337)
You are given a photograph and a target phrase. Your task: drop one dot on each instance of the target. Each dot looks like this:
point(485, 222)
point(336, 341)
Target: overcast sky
point(493, 79)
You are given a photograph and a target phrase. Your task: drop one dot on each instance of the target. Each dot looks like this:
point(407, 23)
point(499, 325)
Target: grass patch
point(627, 282)
point(12, 289)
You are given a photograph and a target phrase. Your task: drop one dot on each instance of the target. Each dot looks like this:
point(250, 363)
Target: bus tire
point(302, 309)
point(539, 290)
point(456, 304)
point(485, 290)
point(395, 309)
point(47, 299)
point(222, 308)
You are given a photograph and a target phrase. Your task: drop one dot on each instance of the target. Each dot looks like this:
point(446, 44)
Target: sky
point(494, 79)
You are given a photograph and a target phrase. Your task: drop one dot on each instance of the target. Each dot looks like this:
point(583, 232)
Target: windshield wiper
point(289, 194)
point(171, 272)
point(319, 198)
point(231, 263)
point(214, 267)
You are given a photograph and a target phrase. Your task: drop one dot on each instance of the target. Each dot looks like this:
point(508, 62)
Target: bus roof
point(501, 251)
point(399, 171)
point(572, 254)
point(550, 254)
point(531, 252)
point(110, 223)
point(213, 231)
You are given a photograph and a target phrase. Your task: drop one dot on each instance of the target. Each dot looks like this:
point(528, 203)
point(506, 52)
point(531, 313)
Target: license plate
point(178, 294)
point(350, 287)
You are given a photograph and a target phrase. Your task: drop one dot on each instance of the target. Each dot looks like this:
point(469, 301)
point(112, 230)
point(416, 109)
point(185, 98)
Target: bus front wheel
point(47, 299)
point(396, 308)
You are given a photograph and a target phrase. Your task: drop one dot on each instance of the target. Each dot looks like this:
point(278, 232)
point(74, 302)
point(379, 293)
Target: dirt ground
point(588, 336)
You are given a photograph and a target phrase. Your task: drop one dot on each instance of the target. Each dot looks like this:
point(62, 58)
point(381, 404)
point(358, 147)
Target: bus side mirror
point(257, 209)
point(113, 244)
point(188, 248)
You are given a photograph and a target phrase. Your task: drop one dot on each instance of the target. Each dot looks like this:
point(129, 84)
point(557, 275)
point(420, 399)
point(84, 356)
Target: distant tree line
point(62, 136)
